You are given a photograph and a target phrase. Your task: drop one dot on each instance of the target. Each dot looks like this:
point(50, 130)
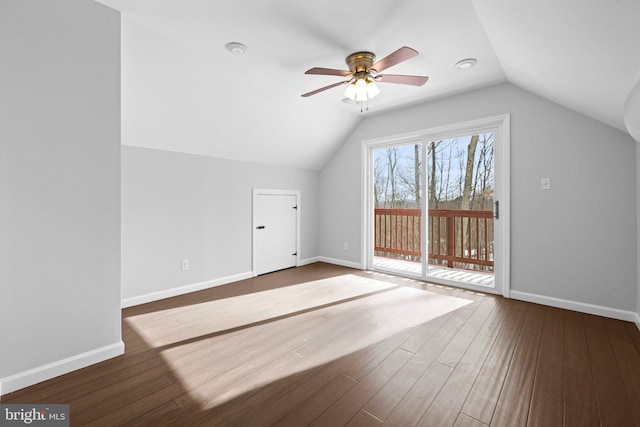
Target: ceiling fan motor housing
point(360, 62)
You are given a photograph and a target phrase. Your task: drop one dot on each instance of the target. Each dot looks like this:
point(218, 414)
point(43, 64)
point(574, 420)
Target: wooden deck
point(331, 346)
point(435, 272)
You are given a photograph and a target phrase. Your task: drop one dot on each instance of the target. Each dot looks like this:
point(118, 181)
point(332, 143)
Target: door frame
point(254, 222)
point(500, 127)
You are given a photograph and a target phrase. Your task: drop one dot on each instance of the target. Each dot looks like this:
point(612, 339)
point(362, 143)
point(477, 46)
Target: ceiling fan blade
point(328, 72)
point(401, 79)
point(396, 57)
point(324, 88)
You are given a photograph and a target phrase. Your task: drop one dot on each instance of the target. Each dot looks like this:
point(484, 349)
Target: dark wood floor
point(331, 346)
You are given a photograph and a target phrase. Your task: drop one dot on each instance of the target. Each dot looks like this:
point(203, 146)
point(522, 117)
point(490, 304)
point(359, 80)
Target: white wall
point(638, 237)
point(182, 206)
point(59, 188)
point(576, 242)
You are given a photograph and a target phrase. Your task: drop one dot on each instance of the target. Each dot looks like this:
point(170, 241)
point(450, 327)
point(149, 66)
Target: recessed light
point(466, 63)
point(236, 48)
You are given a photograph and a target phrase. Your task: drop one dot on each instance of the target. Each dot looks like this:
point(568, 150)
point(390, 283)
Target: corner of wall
point(637, 317)
point(60, 367)
point(581, 307)
point(341, 262)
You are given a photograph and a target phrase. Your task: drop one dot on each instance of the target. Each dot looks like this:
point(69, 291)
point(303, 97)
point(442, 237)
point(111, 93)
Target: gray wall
point(576, 242)
point(59, 181)
point(182, 206)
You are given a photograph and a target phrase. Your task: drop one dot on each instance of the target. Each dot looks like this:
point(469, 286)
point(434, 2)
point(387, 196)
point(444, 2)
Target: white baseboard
point(168, 293)
point(341, 262)
point(638, 320)
point(582, 307)
point(51, 370)
point(308, 261)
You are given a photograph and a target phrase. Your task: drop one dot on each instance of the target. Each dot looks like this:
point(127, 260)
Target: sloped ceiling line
point(182, 91)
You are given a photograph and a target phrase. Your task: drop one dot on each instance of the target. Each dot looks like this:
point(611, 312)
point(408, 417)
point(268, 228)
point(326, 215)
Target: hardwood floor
point(325, 345)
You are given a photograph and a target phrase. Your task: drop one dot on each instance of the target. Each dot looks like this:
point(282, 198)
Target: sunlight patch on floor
point(304, 318)
point(246, 310)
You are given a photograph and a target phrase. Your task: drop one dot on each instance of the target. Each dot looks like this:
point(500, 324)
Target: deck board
point(435, 272)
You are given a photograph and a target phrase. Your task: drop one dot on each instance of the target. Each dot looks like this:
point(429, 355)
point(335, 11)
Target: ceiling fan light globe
point(350, 92)
point(361, 90)
point(372, 90)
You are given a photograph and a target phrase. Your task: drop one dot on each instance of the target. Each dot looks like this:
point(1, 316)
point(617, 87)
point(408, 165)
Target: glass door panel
point(397, 202)
point(460, 197)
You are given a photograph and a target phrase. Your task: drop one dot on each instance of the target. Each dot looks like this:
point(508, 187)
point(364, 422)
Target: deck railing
point(456, 238)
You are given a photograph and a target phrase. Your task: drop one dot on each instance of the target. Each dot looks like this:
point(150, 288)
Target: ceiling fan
point(363, 72)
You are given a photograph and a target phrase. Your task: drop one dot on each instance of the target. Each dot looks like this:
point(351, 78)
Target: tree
point(482, 197)
point(417, 167)
point(380, 181)
point(392, 163)
point(410, 176)
point(433, 197)
point(468, 173)
point(387, 186)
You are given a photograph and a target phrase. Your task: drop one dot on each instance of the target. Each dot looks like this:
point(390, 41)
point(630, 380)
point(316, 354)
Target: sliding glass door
point(432, 203)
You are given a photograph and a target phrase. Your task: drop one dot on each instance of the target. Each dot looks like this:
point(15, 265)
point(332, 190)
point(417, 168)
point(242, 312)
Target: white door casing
point(275, 230)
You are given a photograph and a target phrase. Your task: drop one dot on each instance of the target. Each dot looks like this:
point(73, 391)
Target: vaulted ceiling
point(182, 91)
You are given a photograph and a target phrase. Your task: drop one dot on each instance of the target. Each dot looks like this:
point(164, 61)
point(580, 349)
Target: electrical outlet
point(346, 246)
point(545, 183)
point(185, 264)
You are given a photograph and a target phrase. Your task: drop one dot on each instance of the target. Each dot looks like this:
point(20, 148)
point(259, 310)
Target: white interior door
point(275, 232)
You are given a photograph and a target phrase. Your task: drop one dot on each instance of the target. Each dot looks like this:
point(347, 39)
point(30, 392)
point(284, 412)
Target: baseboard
point(51, 370)
point(308, 261)
point(341, 262)
point(181, 290)
point(638, 320)
point(582, 307)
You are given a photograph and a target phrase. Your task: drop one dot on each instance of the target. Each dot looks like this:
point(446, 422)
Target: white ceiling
point(182, 91)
